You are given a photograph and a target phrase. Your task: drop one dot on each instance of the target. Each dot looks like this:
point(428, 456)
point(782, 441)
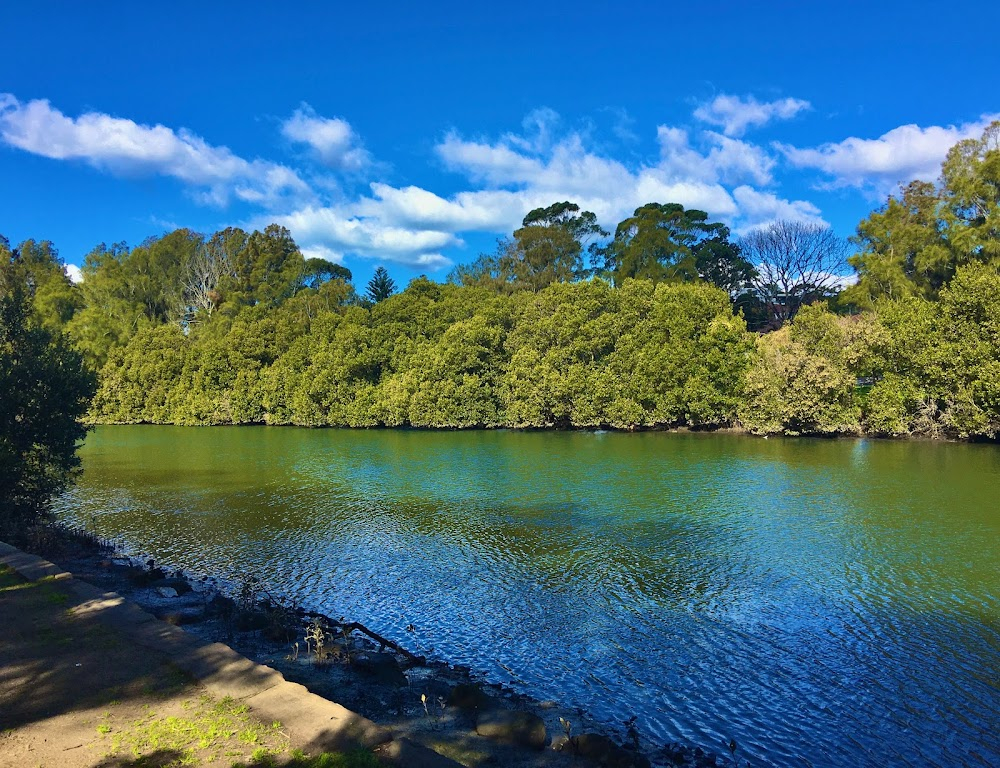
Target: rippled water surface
point(825, 603)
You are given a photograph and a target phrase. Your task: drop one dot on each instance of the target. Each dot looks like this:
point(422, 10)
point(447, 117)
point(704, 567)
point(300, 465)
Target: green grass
point(10, 580)
point(207, 731)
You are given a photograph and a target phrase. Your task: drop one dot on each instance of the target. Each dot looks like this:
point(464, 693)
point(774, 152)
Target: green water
point(822, 602)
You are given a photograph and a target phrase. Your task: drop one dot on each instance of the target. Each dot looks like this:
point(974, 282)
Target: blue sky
point(412, 135)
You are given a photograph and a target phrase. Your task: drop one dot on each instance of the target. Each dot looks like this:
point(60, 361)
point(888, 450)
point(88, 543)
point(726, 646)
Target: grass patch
point(10, 580)
point(207, 731)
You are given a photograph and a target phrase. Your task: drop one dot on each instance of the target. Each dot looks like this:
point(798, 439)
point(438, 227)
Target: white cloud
point(494, 164)
point(332, 231)
point(539, 130)
point(481, 211)
point(74, 273)
point(519, 179)
point(320, 251)
point(735, 114)
point(516, 174)
point(763, 208)
point(505, 177)
point(124, 147)
point(729, 160)
point(332, 139)
point(899, 156)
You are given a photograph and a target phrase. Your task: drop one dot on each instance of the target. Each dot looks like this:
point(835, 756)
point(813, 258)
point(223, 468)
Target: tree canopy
point(548, 248)
point(795, 264)
point(46, 390)
point(657, 243)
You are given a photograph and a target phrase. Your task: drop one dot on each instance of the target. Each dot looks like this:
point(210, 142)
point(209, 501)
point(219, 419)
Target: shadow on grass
point(355, 759)
point(162, 758)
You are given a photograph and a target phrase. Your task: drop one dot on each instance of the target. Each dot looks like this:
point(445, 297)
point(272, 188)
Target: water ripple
point(823, 603)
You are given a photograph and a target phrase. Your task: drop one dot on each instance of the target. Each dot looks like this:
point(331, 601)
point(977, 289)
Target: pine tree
point(381, 286)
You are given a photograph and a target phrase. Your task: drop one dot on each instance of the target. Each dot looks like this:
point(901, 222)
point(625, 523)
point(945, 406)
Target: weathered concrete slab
point(322, 724)
point(226, 673)
point(162, 637)
point(113, 611)
point(85, 592)
point(33, 567)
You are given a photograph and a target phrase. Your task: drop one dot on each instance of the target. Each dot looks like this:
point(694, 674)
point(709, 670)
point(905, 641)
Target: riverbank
point(432, 705)
point(90, 680)
point(733, 429)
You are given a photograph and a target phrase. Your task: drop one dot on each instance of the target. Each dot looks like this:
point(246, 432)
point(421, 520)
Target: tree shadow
point(159, 759)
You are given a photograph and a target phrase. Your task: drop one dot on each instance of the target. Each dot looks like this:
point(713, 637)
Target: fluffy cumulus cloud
point(879, 165)
point(727, 160)
point(735, 114)
point(699, 173)
point(124, 147)
point(332, 231)
point(350, 210)
point(762, 207)
point(729, 178)
point(331, 138)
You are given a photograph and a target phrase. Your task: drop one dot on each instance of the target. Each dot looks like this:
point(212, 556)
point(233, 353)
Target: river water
point(825, 603)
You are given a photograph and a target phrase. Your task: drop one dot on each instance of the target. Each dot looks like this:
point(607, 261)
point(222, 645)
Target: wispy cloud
point(697, 173)
point(124, 147)
point(896, 157)
point(735, 114)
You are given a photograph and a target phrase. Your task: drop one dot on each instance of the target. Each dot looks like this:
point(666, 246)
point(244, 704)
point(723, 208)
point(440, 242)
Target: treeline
point(564, 325)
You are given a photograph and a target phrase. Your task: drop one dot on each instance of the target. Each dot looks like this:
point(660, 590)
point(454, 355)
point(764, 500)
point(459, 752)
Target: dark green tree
point(721, 263)
point(548, 248)
point(317, 271)
point(46, 389)
point(658, 242)
point(381, 286)
point(53, 296)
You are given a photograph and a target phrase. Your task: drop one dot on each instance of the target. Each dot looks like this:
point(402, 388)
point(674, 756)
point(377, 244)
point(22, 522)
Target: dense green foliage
point(914, 245)
point(564, 325)
point(45, 386)
point(448, 356)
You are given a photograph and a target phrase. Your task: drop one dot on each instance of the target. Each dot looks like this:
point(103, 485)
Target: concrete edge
point(312, 722)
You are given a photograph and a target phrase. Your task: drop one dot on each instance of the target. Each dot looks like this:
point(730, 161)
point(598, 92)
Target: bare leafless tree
point(796, 263)
point(201, 279)
point(212, 262)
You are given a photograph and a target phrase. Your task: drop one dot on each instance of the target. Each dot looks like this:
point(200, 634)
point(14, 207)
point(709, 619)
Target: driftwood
point(352, 626)
point(345, 627)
